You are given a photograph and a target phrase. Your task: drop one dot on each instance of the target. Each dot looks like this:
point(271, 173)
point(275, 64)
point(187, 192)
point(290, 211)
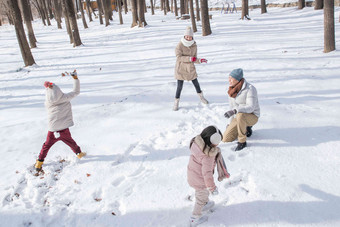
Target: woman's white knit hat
point(189, 32)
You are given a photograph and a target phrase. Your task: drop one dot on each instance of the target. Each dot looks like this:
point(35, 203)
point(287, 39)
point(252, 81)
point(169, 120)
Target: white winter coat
point(59, 107)
point(246, 101)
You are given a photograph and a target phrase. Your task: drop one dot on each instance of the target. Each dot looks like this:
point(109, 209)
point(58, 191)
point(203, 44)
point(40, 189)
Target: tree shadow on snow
point(307, 136)
point(149, 154)
point(324, 209)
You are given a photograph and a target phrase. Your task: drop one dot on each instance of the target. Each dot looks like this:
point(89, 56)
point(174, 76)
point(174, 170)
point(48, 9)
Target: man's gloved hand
point(230, 113)
point(74, 74)
point(193, 59)
point(203, 60)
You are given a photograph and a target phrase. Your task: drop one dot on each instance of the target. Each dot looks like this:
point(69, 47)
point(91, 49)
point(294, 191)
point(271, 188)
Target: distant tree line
point(19, 11)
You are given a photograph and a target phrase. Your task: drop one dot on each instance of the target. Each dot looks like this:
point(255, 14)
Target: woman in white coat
point(244, 109)
point(186, 58)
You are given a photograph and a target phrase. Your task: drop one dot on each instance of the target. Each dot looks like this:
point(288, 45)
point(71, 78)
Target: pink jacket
point(201, 165)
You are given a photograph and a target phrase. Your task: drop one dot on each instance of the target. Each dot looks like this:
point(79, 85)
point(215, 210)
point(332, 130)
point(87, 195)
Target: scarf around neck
point(186, 42)
point(233, 91)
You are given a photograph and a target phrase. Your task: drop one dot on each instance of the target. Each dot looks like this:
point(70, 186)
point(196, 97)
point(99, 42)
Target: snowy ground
point(135, 171)
point(238, 3)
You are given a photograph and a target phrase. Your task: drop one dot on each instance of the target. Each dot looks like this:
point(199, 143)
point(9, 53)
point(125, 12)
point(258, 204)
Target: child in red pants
point(60, 119)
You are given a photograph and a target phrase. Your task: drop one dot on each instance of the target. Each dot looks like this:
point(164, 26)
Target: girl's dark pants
point(180, 87)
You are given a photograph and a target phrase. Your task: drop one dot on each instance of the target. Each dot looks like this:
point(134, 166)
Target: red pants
point(65, 136)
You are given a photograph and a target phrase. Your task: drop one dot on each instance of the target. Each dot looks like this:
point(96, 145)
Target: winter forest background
point(135, 170)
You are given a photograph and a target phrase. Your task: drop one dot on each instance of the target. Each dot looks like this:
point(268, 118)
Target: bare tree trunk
point(167, 5)
point(37, 5)
point(125, 7)
point(172, 6)
point(164, 7)
point(30, 9)
point(329, 31)
point(57, 13)
point(9, 19)
point(176, 9)
point(28, 22)
point(141, 15)
point(88, 9)
point(301, 4)
point(82, 14)
point(49, 9)
point(145, 9)
point(120, 11)
point(198, 18)
point(192, 16)
point(67, 21)
point(152, 9)
point(73, 22)
point(318, 4)
point(134, 13)
point(206, 30)
point(92, 10)
point(245, 10)
point(106, 12)
point(109, 8)
point(100, 11)
point(14, 13)
point(44, 8)
point(182, 9)
point(187, 6)
point(263, 6)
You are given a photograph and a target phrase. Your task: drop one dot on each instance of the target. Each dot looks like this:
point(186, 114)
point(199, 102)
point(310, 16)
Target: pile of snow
point(135, 171)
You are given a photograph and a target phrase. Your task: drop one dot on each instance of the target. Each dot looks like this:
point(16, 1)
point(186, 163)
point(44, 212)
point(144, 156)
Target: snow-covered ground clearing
point(135, 171)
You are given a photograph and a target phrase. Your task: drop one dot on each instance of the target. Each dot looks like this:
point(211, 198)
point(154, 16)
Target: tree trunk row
point(27, 18)
point(329, 31)
point(15, 15)
point(301, 4)
point(70, 10)
point(81, 9)
point(319, 4)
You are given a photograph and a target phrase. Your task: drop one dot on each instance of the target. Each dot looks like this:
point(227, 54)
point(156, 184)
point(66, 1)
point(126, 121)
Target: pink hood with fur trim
point(201, 165)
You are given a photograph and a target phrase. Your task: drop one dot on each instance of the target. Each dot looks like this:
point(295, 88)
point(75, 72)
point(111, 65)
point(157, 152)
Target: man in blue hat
point(244, 109)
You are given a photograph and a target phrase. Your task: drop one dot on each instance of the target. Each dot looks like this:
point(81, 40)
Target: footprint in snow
point(236, 180)
point(138, 172)
point(231, 158)
point(116, 208)
point(118, 181)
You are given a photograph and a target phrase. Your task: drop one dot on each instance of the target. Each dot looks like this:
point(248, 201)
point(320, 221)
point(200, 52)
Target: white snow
point(138, 147)
point(238, 3)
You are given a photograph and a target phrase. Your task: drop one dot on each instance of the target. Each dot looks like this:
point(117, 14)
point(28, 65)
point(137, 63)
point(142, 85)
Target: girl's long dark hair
point(206, 134)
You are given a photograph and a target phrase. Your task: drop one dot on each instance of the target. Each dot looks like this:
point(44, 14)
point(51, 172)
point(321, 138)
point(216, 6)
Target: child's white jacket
point(59, 108)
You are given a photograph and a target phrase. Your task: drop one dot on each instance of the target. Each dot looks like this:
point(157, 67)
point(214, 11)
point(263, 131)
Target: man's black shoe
point(249, 131)
point(240, 146)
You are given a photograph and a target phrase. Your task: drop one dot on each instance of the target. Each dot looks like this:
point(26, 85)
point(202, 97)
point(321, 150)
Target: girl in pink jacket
point(201, 165)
